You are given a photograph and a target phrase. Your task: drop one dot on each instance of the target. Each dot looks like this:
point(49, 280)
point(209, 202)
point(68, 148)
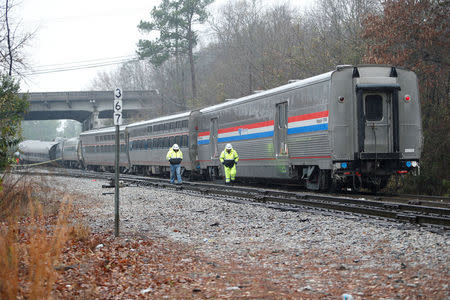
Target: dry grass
point(31, 238)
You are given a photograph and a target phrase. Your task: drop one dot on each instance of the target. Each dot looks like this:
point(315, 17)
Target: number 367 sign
point(117, 106)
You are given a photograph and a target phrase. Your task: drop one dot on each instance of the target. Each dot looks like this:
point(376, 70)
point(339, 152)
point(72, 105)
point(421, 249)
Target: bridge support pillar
point(92, 123)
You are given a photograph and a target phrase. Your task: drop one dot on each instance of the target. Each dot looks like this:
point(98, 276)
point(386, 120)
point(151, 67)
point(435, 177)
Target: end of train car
point(376, 129)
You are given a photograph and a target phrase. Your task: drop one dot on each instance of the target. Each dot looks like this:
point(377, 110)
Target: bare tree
point(12, 41)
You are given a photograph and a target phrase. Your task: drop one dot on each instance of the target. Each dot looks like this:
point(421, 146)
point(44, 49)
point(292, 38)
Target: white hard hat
point(175, 147)
point(228, 146)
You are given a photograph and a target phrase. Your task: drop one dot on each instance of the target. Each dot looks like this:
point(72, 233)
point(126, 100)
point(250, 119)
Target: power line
point(75, 66)
point(87, 61)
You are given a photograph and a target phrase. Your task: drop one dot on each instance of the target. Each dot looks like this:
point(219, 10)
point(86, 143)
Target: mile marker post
point(117, 121)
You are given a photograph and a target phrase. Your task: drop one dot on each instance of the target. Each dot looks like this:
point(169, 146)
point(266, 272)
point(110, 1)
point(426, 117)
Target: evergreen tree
point(12, 108)
point(174, 19)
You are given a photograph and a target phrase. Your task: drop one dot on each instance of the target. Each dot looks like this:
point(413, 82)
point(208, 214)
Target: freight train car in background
point(351, 127)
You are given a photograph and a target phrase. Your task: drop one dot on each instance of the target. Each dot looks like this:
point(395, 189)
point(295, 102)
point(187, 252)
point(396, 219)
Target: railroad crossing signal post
point(117, 121)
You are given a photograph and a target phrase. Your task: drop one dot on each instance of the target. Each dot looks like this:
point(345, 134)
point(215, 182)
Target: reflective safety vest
point(229, 159)
point(174, 157)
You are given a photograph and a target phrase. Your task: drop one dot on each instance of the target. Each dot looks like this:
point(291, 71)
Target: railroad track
point(421, 210)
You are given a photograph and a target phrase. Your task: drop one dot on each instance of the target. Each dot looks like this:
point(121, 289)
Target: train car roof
point(161, 119)
point(283, 88)
point(103, 130)
point(36, 146)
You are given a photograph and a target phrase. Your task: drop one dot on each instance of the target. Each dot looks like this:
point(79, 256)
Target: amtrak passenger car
point(150, 140)
point(71, 153)
point(351, 127)
point(98, 149)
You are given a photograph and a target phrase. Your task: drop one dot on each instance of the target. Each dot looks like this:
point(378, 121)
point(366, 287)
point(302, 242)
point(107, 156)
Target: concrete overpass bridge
point(90, 106)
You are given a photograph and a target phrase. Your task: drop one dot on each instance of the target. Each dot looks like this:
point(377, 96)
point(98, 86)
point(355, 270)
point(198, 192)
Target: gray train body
point(71, 155)
point(98, 149)
point(33, 151)
point(354, 126)
point(150, 140)
point(351, 127)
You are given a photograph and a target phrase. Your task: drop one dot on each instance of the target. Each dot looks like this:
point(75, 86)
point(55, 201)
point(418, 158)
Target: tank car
point(150, 140)
point(98, 149)
point(352, 127)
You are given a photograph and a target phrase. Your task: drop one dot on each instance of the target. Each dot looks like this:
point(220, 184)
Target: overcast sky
point(73, 34)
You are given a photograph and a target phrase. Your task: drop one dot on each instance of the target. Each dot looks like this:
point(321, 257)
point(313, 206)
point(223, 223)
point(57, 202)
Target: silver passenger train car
point(354, 126)
point(351, 127)
point(98, 149)
point(150, 140)
point(71, 155)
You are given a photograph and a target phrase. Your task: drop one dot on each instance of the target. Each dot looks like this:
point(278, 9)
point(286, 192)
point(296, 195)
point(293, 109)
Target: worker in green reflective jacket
point(229, 159)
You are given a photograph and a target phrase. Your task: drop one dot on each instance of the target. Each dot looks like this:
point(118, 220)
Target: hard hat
point(175, 147)
point(228, 147)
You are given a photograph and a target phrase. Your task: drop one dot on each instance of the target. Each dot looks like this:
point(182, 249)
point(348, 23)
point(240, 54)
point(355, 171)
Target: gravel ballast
point(306, 246)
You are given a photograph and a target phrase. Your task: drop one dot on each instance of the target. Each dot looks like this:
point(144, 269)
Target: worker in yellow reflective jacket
point(229, 159)
point(175, 156)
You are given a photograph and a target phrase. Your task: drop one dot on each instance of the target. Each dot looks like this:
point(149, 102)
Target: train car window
point(179, 124)
point(185, 141)
point(96, 138)
point(149, 144)
point(282, 113)
point(184, 123)
point(145, 144)
point(173, 125)
point(149, 129)
point(167, 126)
point(171, 141)
point(166, 142)
point(178, 140)
point(374, 107)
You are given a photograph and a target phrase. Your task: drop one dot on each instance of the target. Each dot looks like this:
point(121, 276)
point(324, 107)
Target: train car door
point(378, 122)
point(280, 130)
point(213, 147)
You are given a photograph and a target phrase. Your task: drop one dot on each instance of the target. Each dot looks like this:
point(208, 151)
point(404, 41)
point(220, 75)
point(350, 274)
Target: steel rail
point(429, 214)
